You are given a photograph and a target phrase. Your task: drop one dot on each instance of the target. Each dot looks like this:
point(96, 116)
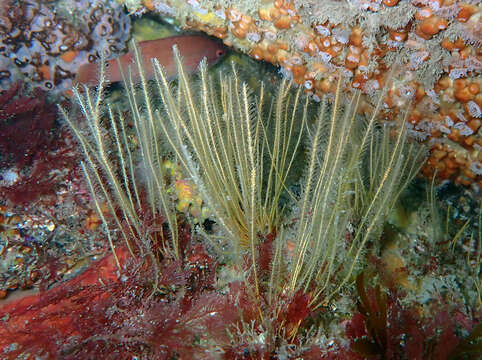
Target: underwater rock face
point(40, 45)
point(437, 43)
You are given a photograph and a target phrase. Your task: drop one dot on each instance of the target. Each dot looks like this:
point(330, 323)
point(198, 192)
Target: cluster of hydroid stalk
point(240, 150)
point(110, 171)
point(219, 135)
point(356, 172)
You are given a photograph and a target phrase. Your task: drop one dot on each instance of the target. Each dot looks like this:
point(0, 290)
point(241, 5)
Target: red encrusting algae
point(117, 313)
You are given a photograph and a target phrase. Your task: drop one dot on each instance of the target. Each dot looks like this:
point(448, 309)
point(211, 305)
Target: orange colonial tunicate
point(356, 36)
point(465, 53)
point(451, 163)
point(388, 101)
point(243, 25)
point(264, 14)
point(45, 72)
point(238, 32)
point(325, 86)
point(319, 69)
point(454, 135)
point(311, 48)
point(270, 57)
point(234, 14)
point(390, 2)
point(454, 101)
point(414, 117)
point(274, 13)
point(364, 60)
point(298, 71)
point(447, 44)
point(438, 154)
point(358, 80)
point(257, 53)
point(92, 221)
point(461, 91)
point(149, 4)
point(272, 48)
point(69, 56)
point(398, 35)
point(284, 22)
point(458, 44)
point(474, 88)
point(353, 57)
point(282, 56)
point(69, 93)
point(220, 32)
point(470, 140)
point(419, 93)
point(478, 99)
point(430, 27)
point(443, 83)
point(474, 124)
point(466, 11)
point(468, 174)
point(423, 13)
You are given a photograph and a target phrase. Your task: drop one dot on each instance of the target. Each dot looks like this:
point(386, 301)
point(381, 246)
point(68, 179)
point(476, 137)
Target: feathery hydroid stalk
point(219, 138)
point(110, 168)
point(149, 141)
point(240, 153)
point(337, 196)
point(96, 157)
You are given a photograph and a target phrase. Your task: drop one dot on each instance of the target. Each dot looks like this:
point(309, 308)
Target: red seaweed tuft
point(104, 313)
point(26, 124)
point(32, 148)
point(385, 329)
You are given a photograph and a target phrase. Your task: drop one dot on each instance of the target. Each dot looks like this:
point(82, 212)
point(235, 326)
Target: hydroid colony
point(240, 149)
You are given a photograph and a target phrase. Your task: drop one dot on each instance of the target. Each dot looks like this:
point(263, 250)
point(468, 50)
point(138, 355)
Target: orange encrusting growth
point(445, 108)
point(44, 71)
point(69, 56)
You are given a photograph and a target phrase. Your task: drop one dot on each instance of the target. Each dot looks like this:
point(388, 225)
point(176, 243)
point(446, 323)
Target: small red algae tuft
point(26, 124)
point(386, 327)
point(33, 149)
point(119, 313)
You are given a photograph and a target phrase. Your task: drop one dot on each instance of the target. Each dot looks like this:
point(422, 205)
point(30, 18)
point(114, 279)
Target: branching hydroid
point(239, 148)
point(110, 169)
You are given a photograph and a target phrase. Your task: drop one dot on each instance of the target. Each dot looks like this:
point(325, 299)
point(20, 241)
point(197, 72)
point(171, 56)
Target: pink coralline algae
point(45, 45)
